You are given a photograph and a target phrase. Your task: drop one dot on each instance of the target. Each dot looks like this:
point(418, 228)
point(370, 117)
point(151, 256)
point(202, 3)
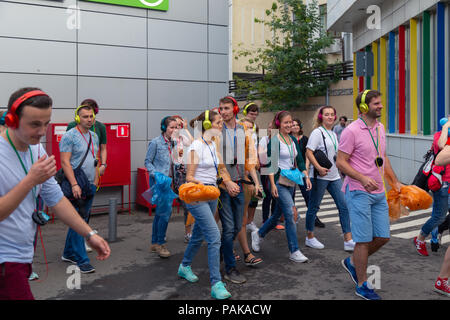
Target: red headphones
point(320, 116)
point(12, 119)
point(235, 105)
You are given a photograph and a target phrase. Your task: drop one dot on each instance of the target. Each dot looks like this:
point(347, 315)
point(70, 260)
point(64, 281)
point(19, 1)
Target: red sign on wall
point(123, 131)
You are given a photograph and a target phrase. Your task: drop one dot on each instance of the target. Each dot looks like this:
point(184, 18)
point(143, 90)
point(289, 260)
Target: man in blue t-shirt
point(26, 172)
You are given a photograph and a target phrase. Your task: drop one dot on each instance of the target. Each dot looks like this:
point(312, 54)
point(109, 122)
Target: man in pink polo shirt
point(362, 158)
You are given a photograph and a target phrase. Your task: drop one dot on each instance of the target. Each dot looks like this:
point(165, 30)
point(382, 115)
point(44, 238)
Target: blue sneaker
point(366, 293)
point(186, 273)
point(350, 269)
point(86, 268)
point(219, 292)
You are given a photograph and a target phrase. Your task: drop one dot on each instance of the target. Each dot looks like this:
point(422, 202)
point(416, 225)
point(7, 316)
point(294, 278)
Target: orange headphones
point(12, 119)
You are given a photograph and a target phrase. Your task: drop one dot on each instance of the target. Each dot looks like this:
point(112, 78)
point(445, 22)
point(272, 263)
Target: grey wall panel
point(137, 120)
point(218, 12)
point(138, 150)
point(155, 117)
point(216, 91)
point(177, 95)
point(62, 89)
point(114, 93)
point(33, 56)
point(218, 39)
point(110, 8)
point(35, 22)
point(112, 61)
point(177, 35)
point(182, 10)
point(177, 65)
point(218, 67)
point(113, 29)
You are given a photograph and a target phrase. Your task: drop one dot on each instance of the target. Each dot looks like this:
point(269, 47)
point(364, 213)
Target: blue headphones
point(163, 124)
point(2, 119)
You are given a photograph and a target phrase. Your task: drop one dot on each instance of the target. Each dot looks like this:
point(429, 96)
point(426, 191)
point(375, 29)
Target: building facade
point(139, 64)
point(409, 41)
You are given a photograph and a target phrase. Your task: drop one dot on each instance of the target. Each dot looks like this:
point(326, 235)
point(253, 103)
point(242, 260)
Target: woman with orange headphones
point(321, 151)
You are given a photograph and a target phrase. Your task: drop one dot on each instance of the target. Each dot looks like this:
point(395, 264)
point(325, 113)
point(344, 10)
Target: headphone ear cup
point(364, 108)
point(207, 125)
point(77, 119)
point(11, 121)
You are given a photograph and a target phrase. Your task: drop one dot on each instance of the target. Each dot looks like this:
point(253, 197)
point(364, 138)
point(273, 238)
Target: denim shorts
point(369, 215)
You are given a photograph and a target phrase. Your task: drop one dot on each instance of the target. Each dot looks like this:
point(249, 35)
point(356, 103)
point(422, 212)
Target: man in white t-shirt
point(26, 172)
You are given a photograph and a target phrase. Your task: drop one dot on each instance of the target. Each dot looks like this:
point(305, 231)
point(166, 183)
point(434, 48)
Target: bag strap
point(87, 151)
point(324, 143)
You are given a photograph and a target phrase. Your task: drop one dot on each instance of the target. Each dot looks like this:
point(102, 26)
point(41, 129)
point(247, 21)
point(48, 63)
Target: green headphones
point(363, 107)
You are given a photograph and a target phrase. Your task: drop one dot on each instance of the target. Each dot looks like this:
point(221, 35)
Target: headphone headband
point(12, 119)
point(77, 110)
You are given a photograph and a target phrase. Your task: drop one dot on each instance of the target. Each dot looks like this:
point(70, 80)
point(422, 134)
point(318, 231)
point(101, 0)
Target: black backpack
point(424, 173)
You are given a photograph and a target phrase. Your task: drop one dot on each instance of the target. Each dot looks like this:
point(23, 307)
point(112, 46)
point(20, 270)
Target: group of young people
point(351, 168)
point(225, 153)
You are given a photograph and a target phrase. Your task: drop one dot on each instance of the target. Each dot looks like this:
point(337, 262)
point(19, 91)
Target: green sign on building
point(162, 5)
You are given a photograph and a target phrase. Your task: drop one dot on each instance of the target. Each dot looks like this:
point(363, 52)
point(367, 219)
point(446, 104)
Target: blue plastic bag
point(163, 194)
point(294, 175)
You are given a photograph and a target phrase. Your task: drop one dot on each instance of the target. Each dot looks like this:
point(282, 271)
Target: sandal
point(252, 261)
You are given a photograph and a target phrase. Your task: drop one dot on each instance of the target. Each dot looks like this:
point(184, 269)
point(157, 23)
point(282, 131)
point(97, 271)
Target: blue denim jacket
point(158, 156)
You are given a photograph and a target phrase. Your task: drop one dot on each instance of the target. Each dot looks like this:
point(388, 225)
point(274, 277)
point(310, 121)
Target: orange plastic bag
point(411, 197)
point(415, 198)
point(395, 206)
point(192, 192)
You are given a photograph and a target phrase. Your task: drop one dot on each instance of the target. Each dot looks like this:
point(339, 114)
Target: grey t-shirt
point(17, 231)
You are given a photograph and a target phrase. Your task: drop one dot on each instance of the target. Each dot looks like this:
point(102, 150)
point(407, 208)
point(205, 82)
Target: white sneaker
point(314, 243)
point(88, 249)
point(256, 241)
point(297, 256)
point(349, 245)
point(252, 227)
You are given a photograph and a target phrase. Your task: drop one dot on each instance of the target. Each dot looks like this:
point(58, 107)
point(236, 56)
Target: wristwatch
point(90, 234)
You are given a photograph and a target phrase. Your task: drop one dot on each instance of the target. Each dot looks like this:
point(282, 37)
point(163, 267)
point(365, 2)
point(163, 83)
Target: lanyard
point(92, 143)
point(332, 139)
point(212, 155)
point(21, 162)
point(289, 148)
point(373, 140)
point(228, 133)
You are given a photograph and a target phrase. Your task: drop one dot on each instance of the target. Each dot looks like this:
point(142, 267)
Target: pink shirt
point(357, 142)
point(437, 135)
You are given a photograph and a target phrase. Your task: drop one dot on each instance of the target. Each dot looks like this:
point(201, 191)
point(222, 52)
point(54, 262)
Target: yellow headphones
point(363, 107)
point(207, 123)
point(77, 116)
point(244, 112)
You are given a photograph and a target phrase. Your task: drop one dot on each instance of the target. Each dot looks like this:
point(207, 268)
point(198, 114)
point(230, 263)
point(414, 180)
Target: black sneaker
point(319, 223)
point(235, 276)
point(434, 246)
point(86, 268)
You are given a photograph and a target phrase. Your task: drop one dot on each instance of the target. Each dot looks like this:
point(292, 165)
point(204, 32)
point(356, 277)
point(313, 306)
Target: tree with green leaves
point(290, 59)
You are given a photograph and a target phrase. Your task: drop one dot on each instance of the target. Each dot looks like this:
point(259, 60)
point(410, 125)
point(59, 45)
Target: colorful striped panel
point(413, 76)
point(391, 106)
point(426, 74)
point(383, 89)
point(401, 80)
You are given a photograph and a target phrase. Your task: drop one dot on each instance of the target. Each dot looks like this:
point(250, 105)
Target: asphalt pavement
point(134, 273)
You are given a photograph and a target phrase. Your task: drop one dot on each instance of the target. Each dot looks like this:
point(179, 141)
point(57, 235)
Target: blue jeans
point(231, 212)
point(74, 247)
point(268, 204)
point(318, 189)
point(283, 206)
point(205, 227)
point(440, 208)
